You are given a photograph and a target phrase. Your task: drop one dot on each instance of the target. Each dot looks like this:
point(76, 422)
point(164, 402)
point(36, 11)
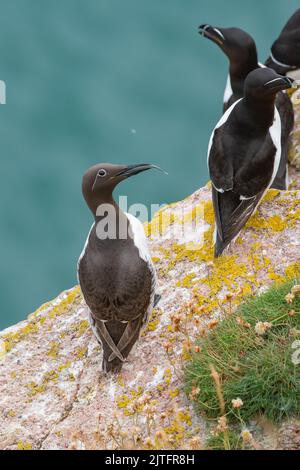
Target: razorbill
point(115, 271)
point(240, 48)
point(244, 153)
point(285, 51)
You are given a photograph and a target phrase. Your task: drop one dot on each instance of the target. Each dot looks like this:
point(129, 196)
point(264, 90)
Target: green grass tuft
point(217, 442)
point(257, 369)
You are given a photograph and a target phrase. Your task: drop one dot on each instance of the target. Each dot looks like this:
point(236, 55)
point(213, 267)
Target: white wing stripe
point(83, 251)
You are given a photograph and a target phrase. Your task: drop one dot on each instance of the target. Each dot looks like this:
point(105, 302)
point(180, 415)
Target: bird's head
point(234, 42)
point(100, 180)
point(285, 51)
point(265, 83)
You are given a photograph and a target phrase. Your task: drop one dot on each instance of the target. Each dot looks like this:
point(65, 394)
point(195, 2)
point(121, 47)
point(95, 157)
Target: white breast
point(275, 132)
point(139, 237)
point(228, 90)
point(83, 251)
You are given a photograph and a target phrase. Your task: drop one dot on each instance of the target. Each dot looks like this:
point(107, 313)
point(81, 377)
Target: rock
point(295, 144)
point(53, 394)
point(289, 436)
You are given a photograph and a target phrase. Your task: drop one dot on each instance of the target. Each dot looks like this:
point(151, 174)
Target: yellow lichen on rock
point(24, 445)
point(294, 152)
point(293, 270)
point(37, 319)
point(271, 195)
point(64, 390)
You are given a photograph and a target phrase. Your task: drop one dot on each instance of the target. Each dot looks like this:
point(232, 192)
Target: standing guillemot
point(285, 51)
point(240, 48)
point(244, 154)
point(115, 271)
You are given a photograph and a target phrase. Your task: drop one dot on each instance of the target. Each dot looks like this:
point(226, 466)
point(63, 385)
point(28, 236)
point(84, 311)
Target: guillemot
point(115, 271)
point(244, 154)
point(285, 51)
point(240, 48)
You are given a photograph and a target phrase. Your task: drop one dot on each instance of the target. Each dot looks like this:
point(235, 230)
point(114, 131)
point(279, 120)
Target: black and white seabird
point(115, 271)
point(285, 51)
point(244, 154)
point(240, 48)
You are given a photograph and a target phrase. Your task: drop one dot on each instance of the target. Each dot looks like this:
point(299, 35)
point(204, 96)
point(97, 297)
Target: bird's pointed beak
point(281, 83)
point(132, 170)
point(214, 34)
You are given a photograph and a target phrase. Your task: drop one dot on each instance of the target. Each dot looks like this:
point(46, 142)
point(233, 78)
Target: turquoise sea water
point(102, 80)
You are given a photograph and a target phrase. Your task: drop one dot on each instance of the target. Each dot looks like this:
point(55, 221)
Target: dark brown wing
point(115, 292)
point(233, 219)
point(220, 165)
point(119, 289)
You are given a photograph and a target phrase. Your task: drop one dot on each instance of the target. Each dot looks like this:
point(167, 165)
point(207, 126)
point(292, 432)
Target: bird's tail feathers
point(219, 246)
point(117, 340)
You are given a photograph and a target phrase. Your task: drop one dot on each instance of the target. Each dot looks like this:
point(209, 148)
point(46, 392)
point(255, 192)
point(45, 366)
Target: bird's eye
point(102, 173)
